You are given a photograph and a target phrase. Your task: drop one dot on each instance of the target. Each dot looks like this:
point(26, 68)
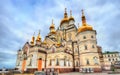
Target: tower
point(38, 40)
point(89, 58)
point(65, 20)
point(71, 19)
point(33, 40)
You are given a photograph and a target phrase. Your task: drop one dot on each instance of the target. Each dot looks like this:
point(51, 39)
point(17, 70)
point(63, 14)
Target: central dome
point(85, 28)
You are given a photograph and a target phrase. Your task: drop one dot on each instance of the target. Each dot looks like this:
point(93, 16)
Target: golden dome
point(52, 25)
point(65, 19)
point(71, 17)
point(58, 44)
point(53, 31)
point(38, 37)
point(85, 26)
point(33, 38)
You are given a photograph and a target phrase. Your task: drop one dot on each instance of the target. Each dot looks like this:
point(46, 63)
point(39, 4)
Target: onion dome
point(33, 38)
point(58, 44)
point(71, 17)
point(52, 25)
point(85, 26)
point(38, 37)
point(52, 28)
point(65, 19)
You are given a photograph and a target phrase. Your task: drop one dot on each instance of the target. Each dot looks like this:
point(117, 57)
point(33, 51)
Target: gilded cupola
point(65, 19)
point(38, 37)
point(85, 26)
point(71, 17)
point(52, 28)
point(33, 39)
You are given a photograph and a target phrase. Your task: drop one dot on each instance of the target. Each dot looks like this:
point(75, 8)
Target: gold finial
point(33, 38)
point(83, 18)
point(70, 12)
point(38, 37)
point(78, 25)
point(65, 10)
point(52, 21)
point(34, 34)
point(82, 12)
point(39, 30)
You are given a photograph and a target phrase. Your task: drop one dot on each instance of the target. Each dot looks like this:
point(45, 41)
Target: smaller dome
point(85, 28)
point(52, 26)
point(53, 32)
point(58, 44)
point(64, 20)
point(71, 18)
point(38, 37)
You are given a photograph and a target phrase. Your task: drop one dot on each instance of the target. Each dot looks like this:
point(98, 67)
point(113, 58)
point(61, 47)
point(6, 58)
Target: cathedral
point(65, 49)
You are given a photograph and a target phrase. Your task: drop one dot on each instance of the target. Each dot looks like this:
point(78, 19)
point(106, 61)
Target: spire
point(52, 28)
point(33, 38)
point(52, 25)
point(78, 25)
point(38, 37)
point(52, 21)
point(70, 13)
point(65, 14)
point(83, 18)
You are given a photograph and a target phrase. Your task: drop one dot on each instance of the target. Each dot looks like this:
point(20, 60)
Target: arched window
point(85, 47)
point(93, 46)
point(76, 63)
point(53, 49)
point(95, 60)
point(84, 37)
point(116, 59)
point(92, 36)
point(109, 59)
point(113, 59)
point(57, 62)
point(87, 61)
point(50, 62)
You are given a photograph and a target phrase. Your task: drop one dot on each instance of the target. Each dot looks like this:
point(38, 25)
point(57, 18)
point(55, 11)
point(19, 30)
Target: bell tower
point(89, 58)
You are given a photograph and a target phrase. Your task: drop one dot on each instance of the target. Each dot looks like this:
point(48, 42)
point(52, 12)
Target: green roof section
point(108, 52)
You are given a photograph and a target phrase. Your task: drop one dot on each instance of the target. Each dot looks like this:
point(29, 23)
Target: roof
point(107, 52)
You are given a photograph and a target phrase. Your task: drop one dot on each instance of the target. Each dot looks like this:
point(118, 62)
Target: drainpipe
point(78, 55)
point(73, 56)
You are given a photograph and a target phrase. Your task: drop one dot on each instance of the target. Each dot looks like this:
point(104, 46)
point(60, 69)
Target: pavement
point(77, 73)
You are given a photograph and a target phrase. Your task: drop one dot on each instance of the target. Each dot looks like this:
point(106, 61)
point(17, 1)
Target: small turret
point(52, 28)
point(71, 17)
point(65, 19)
point(85, 26)
point(38, 40)
point(33, 40)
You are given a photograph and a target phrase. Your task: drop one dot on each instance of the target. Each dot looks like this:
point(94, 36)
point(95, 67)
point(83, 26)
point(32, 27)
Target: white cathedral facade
point(65, 49)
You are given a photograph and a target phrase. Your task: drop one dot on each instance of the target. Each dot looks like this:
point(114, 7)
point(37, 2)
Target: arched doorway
point(40, 64)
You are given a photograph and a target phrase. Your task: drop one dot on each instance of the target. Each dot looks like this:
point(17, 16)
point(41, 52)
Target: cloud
point(19, 19)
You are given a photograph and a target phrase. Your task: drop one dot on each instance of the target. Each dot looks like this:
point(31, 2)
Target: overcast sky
point(19, 19)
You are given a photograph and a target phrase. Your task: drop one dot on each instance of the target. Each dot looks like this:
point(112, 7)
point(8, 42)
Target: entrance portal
point(40, 64)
